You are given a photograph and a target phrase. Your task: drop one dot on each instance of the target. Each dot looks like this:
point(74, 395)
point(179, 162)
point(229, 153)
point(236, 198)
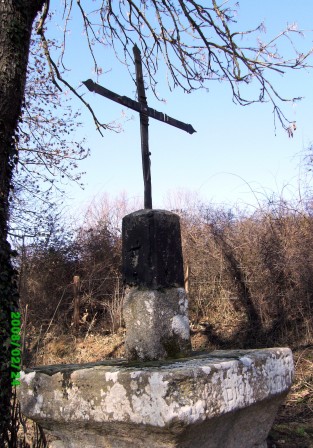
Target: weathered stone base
point(157, 324)
point(224, 399)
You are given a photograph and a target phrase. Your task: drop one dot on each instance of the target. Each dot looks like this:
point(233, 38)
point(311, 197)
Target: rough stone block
point(157, 324)
point(152, 253)
point(223, 399)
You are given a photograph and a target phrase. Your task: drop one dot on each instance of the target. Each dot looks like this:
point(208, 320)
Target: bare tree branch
point(196, 40)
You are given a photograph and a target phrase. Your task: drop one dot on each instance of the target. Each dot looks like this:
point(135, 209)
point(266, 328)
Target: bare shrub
point(23, 433)
point(47, 270)
point(250, 280)
point(250, 276)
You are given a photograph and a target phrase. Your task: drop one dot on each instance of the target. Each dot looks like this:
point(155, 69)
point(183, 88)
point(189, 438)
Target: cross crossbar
point(138, 107)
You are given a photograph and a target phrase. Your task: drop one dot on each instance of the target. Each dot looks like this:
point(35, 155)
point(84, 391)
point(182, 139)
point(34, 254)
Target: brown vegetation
point(293, 427)
point(253, 274)
point(250, 278)
point(250, 283)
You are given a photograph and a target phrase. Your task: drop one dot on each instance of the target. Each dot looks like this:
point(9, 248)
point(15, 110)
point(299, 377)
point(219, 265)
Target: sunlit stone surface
point(221, 399)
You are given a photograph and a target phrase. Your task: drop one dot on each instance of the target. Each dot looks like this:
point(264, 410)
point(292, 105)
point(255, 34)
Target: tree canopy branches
point(197, 41)
point(47, 153)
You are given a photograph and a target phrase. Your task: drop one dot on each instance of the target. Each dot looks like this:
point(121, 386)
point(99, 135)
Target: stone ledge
point(170, 402)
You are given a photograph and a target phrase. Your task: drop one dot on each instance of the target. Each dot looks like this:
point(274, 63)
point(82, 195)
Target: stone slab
point(221, 399)
point(152, 251)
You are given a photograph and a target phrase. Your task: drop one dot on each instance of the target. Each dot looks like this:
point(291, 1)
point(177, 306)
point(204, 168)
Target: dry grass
point(67, 349)
point(293, 427)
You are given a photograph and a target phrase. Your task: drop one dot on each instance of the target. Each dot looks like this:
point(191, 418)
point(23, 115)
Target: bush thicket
point(250, 277)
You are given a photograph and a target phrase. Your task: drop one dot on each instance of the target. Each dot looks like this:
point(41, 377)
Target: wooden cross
point(145, 112)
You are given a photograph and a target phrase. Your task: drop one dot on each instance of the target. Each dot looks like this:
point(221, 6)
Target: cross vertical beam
point(144, 123)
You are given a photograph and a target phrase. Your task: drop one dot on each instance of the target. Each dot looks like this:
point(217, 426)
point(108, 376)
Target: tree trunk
point(16, 20)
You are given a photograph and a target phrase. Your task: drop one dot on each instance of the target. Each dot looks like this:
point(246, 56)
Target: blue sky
point(235, 156)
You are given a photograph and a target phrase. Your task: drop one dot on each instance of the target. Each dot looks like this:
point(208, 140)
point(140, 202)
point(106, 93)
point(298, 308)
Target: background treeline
point(249, 276)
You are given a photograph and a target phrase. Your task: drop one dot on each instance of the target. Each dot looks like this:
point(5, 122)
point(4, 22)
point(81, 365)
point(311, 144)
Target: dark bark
point(16, 20)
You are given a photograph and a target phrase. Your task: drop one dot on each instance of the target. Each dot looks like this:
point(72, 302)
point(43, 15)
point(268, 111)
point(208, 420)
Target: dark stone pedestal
point(152, 253)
